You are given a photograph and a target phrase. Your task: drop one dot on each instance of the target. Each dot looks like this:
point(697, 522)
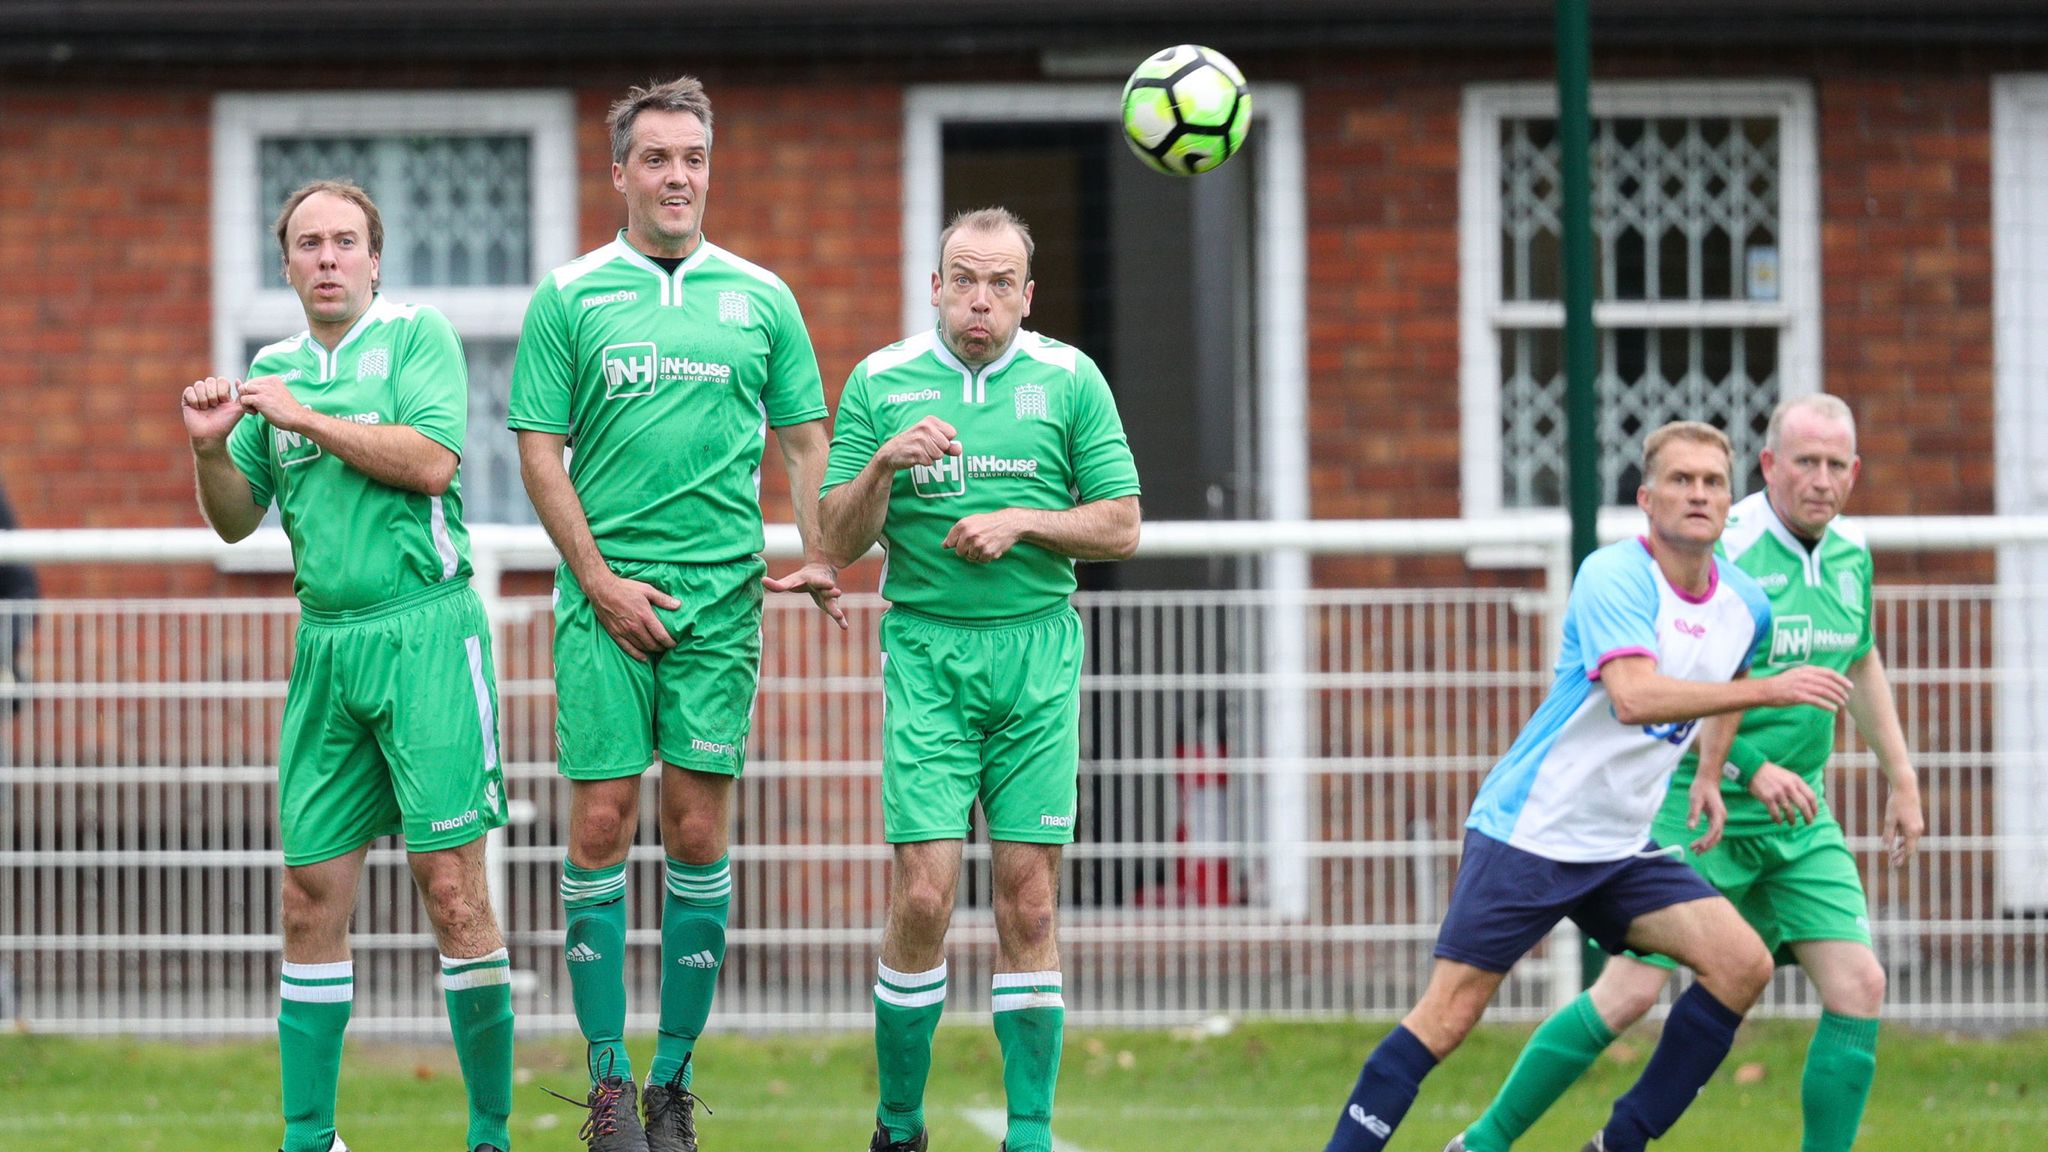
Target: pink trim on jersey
point(1713, 578)
point(1617, 654)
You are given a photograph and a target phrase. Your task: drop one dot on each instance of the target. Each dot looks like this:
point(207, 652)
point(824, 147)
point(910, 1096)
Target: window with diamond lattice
point(477, 195)
point(1706, 297)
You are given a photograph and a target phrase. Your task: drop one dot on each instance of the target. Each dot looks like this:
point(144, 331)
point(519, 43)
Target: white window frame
point(1280, 274)
point(244, 310)
point(2019, 305)
point(1482, 312)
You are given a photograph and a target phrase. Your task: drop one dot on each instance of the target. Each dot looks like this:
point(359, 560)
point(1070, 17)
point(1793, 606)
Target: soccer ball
point(1186, 110)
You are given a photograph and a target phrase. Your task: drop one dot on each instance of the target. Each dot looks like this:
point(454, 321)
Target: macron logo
point(583, 954)
point(1372, 1124)
point(700, 959)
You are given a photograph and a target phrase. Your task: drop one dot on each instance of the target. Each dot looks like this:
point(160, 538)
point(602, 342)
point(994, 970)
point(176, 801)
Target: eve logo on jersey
point(293, 448)
point(629, 369)
point(946, 476)
point(1696, 631)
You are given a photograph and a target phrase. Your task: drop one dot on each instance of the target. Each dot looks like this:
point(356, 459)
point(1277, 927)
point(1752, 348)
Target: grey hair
point(682, 94)
point(1820, 404)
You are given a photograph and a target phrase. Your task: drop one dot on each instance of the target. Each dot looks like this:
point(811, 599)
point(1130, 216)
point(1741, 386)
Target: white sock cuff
point(476, 972)
point(333, 983)
point(1017, 991)
point(910, 989)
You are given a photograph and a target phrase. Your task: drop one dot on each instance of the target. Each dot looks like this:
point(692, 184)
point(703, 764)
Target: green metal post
point(1581, 348)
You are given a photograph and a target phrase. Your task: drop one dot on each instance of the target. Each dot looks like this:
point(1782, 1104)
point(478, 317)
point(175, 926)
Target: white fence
point(1274, 784)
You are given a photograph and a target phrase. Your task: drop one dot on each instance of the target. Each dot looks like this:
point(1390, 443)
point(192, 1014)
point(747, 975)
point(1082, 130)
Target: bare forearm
point(1099, 530)
point(392, 454)
point(1648, 697)
point(1877, 720)
point(224, 495)
point(560, 510)
point(804, 450)
point(851, 516)
point(1717, 736)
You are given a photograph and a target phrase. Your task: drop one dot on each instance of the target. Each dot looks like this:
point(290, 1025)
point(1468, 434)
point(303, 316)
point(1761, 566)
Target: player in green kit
point(1781, 856)
point(661, 361)
point(354, 429)
point(987, 459)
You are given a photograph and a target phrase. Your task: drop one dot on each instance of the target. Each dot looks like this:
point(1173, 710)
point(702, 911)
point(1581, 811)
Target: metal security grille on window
point(458, 210)
point(1686, 218)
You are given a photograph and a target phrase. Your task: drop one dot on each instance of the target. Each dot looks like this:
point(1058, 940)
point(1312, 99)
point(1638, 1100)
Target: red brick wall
point(106, 313)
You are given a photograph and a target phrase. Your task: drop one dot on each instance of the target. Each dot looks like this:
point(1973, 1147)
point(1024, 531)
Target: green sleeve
point(853, 433)
point(1103, 468)
point(431, 385)
point(1745, 758)
point(248, 447)
point(795, 393)
point(544, 369)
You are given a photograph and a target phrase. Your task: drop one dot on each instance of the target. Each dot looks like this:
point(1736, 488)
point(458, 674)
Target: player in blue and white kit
point(1655, 631)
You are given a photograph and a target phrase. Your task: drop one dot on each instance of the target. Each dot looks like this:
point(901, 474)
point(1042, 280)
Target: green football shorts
point(1792, 885)
point(692, 704)
point(390, 725)
point(981, 710)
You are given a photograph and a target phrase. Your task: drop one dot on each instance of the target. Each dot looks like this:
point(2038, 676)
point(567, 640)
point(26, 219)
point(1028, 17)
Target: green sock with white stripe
point(907, 1008)
point(479, 996)
point(314, 1001)
point(1030, 1016)
point(594, 901)
point(692, 951)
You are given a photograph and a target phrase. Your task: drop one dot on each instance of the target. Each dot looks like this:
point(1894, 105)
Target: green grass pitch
point(1262, 1086)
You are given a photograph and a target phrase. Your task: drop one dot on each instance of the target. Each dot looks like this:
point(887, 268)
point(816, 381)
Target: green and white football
point(1186, 110)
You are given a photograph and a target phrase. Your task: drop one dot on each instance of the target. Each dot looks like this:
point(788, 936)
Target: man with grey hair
point(1784, 863)
point(664, 359)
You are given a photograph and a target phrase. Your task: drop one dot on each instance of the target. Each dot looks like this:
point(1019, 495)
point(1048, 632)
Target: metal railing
point(1273, 787)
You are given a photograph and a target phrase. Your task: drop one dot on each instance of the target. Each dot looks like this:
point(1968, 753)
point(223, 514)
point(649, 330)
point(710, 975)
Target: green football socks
point(595, 950)
point(1840, 1064)
point(907, 1008)
point(1557, 1054)
point(479, 995)
point(692, 951)
point(314, 1001)
point(1030, 1014)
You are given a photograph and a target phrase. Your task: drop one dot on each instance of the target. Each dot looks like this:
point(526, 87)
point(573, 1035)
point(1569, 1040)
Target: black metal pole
point(1581, 347)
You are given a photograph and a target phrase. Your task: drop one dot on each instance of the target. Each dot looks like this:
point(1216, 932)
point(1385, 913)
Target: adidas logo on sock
point(1372, 1124)
point(700, 959)
point(583, 954)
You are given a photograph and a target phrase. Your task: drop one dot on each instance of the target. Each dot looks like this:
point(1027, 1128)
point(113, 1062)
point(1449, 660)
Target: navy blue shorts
point(1507, 899)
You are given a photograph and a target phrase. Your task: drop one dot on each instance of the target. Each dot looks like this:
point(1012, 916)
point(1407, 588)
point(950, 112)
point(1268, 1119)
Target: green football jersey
point(1037, 427)
point(358, 542)
point(666, 386)
point(1820, 614)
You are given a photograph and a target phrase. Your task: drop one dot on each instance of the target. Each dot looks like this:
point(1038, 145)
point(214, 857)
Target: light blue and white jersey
point(1578, 784)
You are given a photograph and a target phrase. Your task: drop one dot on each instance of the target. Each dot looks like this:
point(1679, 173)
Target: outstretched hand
point(818, 578)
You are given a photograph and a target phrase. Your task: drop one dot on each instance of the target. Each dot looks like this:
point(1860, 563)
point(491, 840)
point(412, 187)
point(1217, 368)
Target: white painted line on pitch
point(996, 1123)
